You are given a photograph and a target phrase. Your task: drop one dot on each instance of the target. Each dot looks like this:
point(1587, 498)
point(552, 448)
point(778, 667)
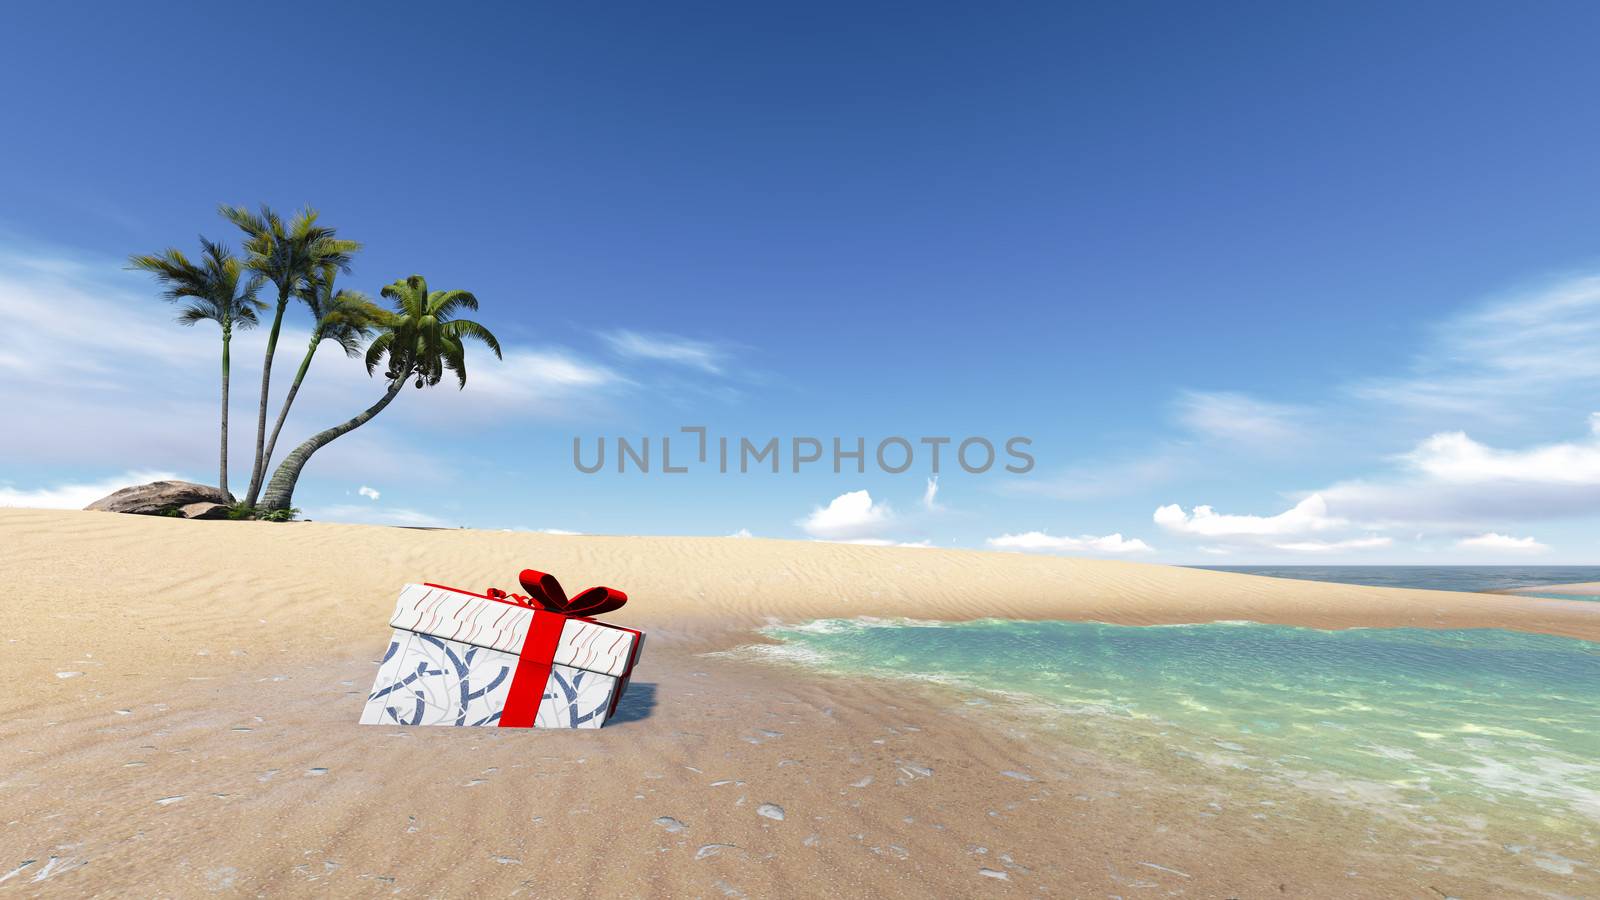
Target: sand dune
point(182, 697)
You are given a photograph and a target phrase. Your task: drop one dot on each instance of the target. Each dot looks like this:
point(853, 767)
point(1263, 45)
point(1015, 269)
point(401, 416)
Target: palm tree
point(213, 293)
point(421, 339)
point(344, 317)
point(290, 256)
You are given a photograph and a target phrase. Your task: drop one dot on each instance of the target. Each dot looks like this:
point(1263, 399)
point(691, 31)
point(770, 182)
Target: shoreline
point(700, 588)
point(1580, 589)
point(187, 692)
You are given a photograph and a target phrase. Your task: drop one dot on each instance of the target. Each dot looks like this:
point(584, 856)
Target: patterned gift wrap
point(454, 657)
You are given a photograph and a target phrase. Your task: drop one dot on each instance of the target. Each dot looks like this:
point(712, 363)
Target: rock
point(203, 510)
point(160, 498)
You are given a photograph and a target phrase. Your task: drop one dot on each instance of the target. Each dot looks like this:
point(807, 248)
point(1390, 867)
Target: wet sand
point(183, 697)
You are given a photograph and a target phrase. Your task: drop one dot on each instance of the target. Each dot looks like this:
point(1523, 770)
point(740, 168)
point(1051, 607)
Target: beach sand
point(181, 698)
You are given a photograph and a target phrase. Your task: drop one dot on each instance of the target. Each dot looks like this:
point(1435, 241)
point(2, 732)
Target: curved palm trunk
point(258, 471)
point(222, 476)
point(281, 490)
point(288, 400)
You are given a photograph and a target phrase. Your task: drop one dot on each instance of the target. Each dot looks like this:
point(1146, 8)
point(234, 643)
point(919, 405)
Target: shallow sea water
point(1464, 728)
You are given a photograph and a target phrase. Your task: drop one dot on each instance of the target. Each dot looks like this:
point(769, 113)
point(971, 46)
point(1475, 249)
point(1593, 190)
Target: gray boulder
point(160, 498)
point(203, 510)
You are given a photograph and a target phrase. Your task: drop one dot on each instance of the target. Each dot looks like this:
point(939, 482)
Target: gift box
point(506, 660)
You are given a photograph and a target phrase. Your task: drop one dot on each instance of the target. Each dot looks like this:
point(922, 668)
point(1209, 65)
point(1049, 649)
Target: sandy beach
point(183, 698)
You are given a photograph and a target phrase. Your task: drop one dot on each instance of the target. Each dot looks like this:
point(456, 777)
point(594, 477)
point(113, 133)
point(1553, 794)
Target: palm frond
point(409, 296)
point(179, 276)
point(250, 303)
point(378, 350)
point(291, 256)
point(303, 223)
point(330, 250)
point(421, 339)
point(466, 328)
point(248, 222)
point(455, 360)
point(198, 312)
point(446, 304)
point(317, 291)
point(350, 318)
point(211, 286)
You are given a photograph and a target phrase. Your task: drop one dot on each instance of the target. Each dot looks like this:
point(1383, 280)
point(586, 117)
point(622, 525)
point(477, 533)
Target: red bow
point(545, 593)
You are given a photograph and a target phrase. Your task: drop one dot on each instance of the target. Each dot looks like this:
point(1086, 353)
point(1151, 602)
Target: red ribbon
point(539, 648)
point(544, 592)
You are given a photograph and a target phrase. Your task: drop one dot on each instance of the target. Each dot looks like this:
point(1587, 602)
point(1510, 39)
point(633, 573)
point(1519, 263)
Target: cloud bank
point(80, 494)
point(1040, 542)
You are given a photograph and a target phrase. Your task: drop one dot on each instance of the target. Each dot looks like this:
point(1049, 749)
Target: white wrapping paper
point(452, 657)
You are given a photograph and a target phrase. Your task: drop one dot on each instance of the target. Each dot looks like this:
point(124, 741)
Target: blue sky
point(1325, 272)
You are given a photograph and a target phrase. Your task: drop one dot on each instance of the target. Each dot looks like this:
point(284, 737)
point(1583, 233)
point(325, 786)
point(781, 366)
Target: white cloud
point(848, 516)
point(77, 495)
point(1309, 515)
point(883, 542)
point(1507, 365)
point(1446, 482)
point(1496, 541)
point(1366, 543)
point(556, 531)
point(1451, 480)
point(1455, 457)
point(1432, 504)
point(1040, 542)
point(742, 533)
point(369, 493)
point(547, 370)
point(702, 355)
point(369, 515)
point(550, 382)
point(854, 518)
point(89, 319)
point(1287, 531)
point(1241, 419)
point(1494, 360)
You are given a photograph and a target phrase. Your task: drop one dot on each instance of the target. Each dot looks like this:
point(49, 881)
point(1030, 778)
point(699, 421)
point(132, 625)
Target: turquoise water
point(1592, 598)
point(1464, 723)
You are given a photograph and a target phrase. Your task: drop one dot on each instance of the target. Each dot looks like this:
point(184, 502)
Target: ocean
point(1457, 727)
point(1439, 578)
